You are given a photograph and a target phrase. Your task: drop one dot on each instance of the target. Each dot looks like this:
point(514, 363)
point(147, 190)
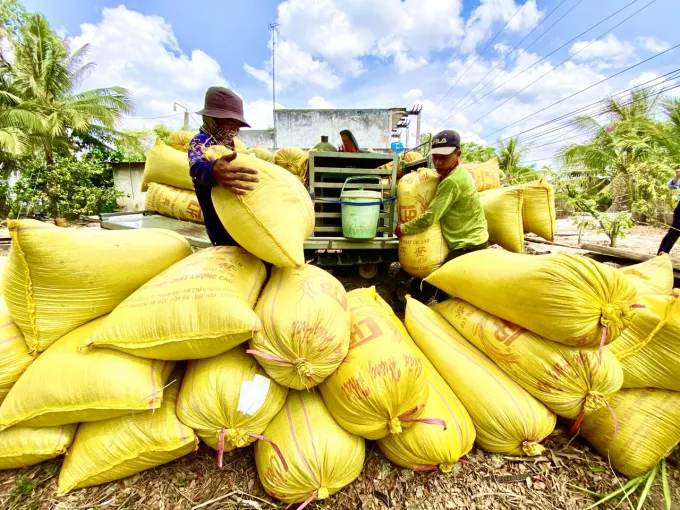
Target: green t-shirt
point(457, 206)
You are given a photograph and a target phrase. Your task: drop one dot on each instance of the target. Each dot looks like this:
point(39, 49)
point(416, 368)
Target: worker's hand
point(232, 177)
point(398, 232)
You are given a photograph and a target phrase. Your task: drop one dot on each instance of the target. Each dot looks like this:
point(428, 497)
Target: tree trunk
point(620, 193)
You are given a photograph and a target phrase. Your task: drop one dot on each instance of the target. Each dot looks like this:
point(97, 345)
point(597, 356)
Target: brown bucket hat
point(222, 103)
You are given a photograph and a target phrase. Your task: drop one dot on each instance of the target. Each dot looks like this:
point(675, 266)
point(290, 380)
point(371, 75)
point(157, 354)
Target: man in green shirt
point(456, 204)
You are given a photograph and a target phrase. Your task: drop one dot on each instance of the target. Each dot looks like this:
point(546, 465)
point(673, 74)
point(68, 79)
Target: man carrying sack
point(222, 121)
point(456, 204)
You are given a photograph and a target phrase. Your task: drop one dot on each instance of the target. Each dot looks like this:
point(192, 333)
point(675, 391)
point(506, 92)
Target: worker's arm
point(443, 200)
point(674, 183)
point(200, 168)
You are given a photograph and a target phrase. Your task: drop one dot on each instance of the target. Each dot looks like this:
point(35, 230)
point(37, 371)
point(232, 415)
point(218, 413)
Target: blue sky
point(373, 53)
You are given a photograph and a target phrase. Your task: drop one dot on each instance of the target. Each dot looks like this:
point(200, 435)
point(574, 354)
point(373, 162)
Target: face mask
point(223, 136)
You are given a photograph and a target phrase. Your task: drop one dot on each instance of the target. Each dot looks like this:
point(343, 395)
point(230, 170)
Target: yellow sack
point(642, 427)
point(173, 202)
point(653, 277)
point(228, 400)
point(180, 140)
point(410, 157)
point(420, 254)
point(305, 327)
point(27, 446)
point(424, 446)
point(3, 263)
point(380, 388)
point(200, 307)
point(290, 159)
point(108, 450)
point(66, 385)
point(649, 350)
point(318, 457)
point(570, 381)
point(263, 154)
point(274, 220)
point(166, 165)
point(303, 169)
point(486, 175)
point(568, 299)
point(538, 211)
point(240, 147)
point(507, 419)
point(503, 211)
point(14, 356)
point(58, 279)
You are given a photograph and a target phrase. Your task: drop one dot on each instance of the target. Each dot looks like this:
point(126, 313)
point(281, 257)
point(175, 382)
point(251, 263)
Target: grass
point(642, 484)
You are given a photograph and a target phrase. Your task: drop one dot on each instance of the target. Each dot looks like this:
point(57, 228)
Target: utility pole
point(185, 127)
point(272, 29)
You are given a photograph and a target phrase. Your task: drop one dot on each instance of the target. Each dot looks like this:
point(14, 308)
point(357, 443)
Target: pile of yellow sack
point(595, 346)
point(89, 351)
point(125, 370)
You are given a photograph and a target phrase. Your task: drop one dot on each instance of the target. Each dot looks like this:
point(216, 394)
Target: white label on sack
point(253, 395)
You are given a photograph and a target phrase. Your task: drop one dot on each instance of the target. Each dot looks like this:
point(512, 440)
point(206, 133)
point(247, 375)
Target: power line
point(438, 123)
point(476, 100)
point(668, 77)
point(480, 54)
point(587, 88)
point(550, 54)
point(566, 60)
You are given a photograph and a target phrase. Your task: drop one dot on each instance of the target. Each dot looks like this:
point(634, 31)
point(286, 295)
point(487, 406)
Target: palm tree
point(17, 120)
point(609, 160)
point(510, 161)
point(46, 76)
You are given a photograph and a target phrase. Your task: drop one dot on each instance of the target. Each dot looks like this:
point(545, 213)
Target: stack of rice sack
point(643, 426)
point(166, 180)
point(534, 329)
point(88, 359)
point(515, 210)
point(59, 286)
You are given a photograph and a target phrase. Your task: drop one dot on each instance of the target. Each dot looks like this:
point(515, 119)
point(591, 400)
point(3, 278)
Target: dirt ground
point(481, 481)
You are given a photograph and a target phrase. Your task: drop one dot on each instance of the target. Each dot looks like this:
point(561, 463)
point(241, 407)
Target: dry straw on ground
point(483, 481)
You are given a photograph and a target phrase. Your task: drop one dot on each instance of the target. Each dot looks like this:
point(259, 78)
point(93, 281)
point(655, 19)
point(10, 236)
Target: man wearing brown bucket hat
point(222, 120)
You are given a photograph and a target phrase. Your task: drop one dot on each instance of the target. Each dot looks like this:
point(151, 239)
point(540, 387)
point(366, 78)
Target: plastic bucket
point(360, 211)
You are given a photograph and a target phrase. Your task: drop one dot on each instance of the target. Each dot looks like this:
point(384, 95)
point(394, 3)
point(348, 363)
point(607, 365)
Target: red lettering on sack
point(364, 331)
point(507, 332)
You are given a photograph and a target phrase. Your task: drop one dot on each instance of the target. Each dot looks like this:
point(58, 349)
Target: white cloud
point(483, 19)
point(259, 113)
point(502, 48)
point(644, 78)
point(413, 95)
point(341, 34)
point(141, 53)
point(652, 44)
point(319, 103)
point(605, 53)
point(551, 85)
point(295, 66)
